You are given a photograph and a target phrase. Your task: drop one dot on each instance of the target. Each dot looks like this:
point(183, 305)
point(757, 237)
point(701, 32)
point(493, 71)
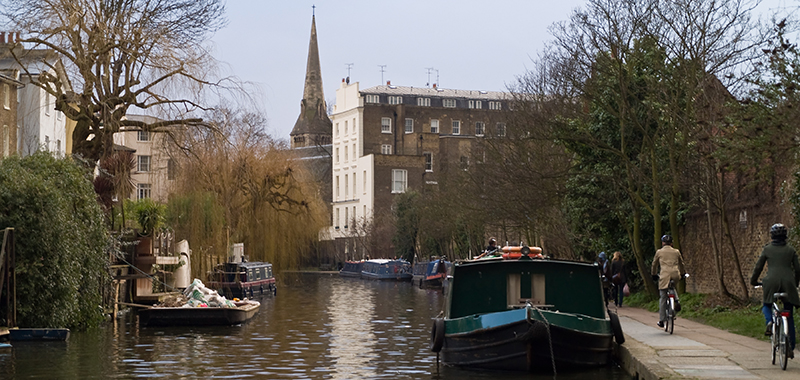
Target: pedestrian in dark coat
point(618, 277)
point(783, 275)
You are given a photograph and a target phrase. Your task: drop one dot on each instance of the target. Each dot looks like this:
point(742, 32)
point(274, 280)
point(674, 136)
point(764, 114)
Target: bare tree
point(118, 54)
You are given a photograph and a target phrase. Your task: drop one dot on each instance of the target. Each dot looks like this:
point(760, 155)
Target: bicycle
point(779, 337)
point(672, 310)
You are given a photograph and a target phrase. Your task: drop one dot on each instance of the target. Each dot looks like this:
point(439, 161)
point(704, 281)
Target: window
point(428, 161)
point(6, 141)
point(58, 146)
point(143, 163)
point(456, 127)
point(399, 180)
point(434, 126)
point(386, 125)
point(337, 218)
point(337, 193)
point(346, 156)
point(336, 158)
point(6, 96)
point(364, 187)
point(355, 155)
point(451, 103)
point(171, 169)
point(476, 104)
point(346, 187)
point(386, 149)
point(500, 130)
point(354, 189)
point(143, 191)
point(409, 125)
point(424, 102)
point(495, 106)
point(336, 130)
point(345, 127)
point(346, 217)
point(47, 103)
point(373, 99)
point(479, 128)
point(143, 136)
point(395, 100)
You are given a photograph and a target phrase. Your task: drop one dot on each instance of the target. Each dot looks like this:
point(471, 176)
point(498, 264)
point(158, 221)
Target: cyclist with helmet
point(783, 275)
point(671, 266)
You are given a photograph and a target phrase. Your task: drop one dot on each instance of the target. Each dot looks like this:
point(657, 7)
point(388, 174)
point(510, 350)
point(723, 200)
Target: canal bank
point(694, 351)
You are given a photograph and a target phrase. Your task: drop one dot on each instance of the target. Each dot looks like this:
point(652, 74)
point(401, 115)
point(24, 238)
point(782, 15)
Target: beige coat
point(671, 263)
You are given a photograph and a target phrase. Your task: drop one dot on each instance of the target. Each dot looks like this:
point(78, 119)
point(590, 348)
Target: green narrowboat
point(525, 314)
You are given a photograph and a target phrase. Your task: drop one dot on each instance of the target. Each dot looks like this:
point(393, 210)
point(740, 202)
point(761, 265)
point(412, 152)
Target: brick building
point(8, 115)
point(388, 139)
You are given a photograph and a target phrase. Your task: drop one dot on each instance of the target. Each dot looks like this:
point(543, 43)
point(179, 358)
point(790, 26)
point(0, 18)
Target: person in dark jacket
point(783, 275)
point(605, 275)
point(618, 277)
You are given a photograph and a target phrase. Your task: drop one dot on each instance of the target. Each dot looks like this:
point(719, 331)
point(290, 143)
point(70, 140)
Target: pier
point(694, 351)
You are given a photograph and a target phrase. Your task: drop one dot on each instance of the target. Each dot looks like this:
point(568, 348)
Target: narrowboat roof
point(254, 264)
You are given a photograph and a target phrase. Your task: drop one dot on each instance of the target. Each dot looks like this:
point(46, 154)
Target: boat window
point(525, 287)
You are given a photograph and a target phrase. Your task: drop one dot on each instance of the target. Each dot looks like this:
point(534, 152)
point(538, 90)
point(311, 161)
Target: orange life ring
point(515, 253)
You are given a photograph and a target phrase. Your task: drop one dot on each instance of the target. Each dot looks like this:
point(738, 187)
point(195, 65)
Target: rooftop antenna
point(313, 10)
point(349, 66)
point(429, 69)
point(382, 71)
point(437, 78)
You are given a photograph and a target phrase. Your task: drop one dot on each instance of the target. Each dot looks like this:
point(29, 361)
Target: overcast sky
point(471, 44)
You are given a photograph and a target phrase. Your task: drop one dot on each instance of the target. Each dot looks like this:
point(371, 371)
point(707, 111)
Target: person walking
point(605, 275)
point(783, 275)
point(671, 266)
point(618, 277)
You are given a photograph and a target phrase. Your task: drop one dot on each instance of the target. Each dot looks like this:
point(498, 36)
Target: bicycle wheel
point(670, 325)
point(783, 343)
point(773, 339)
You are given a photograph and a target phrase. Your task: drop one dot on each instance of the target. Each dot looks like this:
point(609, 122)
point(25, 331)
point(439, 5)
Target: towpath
point(694, 351)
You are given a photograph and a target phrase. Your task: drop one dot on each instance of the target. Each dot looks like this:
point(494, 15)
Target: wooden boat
point(352, 269)
point(525, 314)
point(243, 279)
point(385, 269)
point(20, 334)
point(430, 274)
point(198, 316)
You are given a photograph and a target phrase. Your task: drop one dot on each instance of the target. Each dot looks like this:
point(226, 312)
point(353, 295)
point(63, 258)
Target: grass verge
point(714, 310)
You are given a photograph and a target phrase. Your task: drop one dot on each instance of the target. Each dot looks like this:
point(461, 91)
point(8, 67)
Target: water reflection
point(351, 310)
point(316, 328)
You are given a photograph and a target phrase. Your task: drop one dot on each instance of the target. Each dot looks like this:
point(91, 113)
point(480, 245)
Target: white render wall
point(40, 125)
point(352, 182)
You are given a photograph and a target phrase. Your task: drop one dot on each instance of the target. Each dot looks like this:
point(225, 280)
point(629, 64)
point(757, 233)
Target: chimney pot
point(434, 85)
point(3, 37)
point(388, 83)
point(17, 36)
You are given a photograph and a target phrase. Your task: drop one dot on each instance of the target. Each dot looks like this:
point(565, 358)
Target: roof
point(436, 92)
point(36, 61)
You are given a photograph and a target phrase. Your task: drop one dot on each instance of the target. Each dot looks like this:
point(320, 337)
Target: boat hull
point(388, 270)
point(38, 334)
point(512, 342)
point(242, 290)
point(196, 316)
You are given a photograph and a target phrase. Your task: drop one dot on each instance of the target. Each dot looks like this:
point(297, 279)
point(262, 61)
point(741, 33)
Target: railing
point(8, 278)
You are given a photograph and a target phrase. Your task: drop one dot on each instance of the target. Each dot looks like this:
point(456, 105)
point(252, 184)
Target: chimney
point(434, 86)
point(388, 83)
point(17, 36)
point(3, 37)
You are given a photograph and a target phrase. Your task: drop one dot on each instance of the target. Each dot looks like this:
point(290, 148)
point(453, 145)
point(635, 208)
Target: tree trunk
point(715, 251)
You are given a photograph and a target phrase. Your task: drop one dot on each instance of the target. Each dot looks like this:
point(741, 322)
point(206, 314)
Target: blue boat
point(385, 269)
point(430, 274)
point(38, 334)
point(351, 269)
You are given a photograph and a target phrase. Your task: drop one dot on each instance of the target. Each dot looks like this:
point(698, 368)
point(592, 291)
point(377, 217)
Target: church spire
point(313, 127)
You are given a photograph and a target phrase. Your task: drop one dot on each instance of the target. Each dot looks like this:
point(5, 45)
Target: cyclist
point(783, 275)
point(671, 263)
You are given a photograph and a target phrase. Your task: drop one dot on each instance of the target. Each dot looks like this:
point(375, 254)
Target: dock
point(694, 351)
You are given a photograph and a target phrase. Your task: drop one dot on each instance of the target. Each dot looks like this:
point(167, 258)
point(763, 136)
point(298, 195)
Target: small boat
point(198, 316)
point(20, 334)
point(351, 269)
point(430, 274)
point(527, 314)
point(385, 269)
point(243, 279)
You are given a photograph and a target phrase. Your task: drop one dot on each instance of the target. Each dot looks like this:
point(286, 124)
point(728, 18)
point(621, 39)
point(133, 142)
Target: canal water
point(317, 327)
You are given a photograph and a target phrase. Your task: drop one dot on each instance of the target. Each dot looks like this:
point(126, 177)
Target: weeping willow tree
point(238, 185)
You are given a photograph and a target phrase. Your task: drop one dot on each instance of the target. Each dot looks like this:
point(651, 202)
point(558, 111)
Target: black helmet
point(666, 239)
point(778, 231)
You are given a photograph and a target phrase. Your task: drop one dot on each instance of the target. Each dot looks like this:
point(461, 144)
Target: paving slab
point(693, 351)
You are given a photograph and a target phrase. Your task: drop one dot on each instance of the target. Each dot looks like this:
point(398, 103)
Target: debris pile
point(197, 295)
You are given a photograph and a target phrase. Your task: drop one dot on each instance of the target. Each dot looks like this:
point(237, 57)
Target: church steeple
point(313, 127)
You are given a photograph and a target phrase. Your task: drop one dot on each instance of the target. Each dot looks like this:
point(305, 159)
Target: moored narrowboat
point(243, 279)
point(430, 274)
point(525, 314)
point(386, 269)
point(351, 269)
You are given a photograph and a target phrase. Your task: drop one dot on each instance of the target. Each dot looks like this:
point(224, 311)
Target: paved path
point(694, 351)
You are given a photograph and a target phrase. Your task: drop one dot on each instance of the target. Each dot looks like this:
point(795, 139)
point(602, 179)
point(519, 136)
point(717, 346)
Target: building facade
point(154, 174)
point(8, 115)
point(389, 139)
